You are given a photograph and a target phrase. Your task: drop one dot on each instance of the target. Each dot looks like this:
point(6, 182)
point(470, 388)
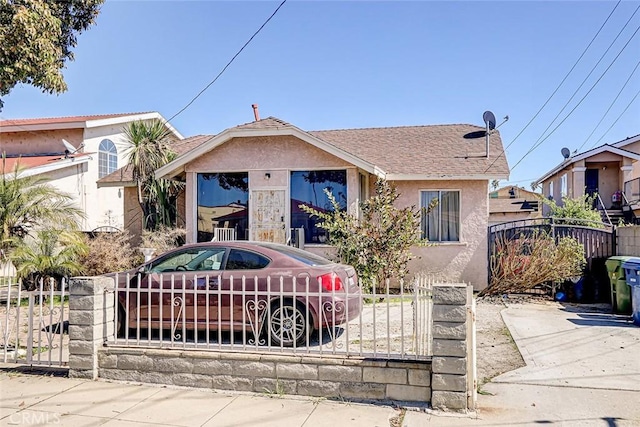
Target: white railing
point(284, 315)
point(223, 234)
point(34, 324)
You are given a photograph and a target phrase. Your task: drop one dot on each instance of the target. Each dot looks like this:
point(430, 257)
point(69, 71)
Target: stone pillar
point(91, 322)
point(449, 377)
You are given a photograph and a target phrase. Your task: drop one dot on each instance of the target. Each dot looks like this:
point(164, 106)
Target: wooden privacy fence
point(597, 238)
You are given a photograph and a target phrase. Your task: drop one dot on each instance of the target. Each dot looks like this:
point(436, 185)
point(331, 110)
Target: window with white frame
point(563, 185)
point(551, 196)
point(441, 223)
point(107, 158)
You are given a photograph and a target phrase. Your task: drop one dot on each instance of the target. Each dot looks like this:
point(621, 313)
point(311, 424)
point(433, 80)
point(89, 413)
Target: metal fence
point(34, 324)
point(275, 314)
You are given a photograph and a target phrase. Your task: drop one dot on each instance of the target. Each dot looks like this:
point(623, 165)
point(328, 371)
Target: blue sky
point(333, 65)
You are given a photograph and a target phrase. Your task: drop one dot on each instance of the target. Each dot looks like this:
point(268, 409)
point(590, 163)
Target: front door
point(591, 181)
point(268, 212)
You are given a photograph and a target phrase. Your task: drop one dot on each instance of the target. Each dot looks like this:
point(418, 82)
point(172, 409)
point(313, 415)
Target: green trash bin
point(620, 291)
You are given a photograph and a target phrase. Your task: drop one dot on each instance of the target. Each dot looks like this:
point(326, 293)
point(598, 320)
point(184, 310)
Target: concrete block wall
point(91, 322)
point(449, 382)
point(337, 377)
point(442, 381)
point(628, 240)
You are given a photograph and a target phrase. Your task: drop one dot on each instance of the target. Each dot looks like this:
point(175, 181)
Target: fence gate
point(34, 327)
point(598, 240)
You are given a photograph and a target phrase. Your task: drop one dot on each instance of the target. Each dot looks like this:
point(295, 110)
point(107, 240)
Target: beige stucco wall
point(457, 261)
point(39, 142)
point(464, 261)
point(276, 156)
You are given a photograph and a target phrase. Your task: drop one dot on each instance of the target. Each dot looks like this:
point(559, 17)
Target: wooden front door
point(268, 215)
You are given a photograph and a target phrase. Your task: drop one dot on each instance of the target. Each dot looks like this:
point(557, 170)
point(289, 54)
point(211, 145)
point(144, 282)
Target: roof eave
point(61, 164)
point(176, 167)
point(444, 177)
point(583, 156)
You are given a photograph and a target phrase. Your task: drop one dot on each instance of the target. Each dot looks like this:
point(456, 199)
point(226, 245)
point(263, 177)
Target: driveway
point(582, 369)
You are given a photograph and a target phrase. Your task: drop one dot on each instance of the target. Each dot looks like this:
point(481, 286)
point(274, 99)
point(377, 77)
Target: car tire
point(288, 324)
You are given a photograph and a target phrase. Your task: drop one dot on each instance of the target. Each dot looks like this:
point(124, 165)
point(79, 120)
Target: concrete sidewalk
point(583, 369)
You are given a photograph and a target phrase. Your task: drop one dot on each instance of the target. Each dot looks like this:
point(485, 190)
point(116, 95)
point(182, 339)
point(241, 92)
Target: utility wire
point(619, 117)
point(539, 142)
point(610, 106)
point(588, 75)
point(557, 88)
point(228, 63)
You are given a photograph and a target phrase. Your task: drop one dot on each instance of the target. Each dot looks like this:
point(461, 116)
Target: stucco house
point(95, 148)
point(513, 203)
point(611, 170)
point(248, 182)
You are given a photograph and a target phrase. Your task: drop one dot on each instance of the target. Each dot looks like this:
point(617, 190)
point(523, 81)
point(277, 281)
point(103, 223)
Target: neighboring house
point(611, 171)
point(98, 150)
point(513, 203)
point(271, 167)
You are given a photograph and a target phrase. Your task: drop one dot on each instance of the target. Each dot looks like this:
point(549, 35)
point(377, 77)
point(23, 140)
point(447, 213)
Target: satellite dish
point(565, 153)
point(68, 146)
point(489, 120)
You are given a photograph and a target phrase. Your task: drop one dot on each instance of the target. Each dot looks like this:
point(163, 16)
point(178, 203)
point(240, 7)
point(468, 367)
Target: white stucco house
point(94, 148)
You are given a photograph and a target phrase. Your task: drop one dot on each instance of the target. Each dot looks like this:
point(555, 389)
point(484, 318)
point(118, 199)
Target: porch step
point(615, 215)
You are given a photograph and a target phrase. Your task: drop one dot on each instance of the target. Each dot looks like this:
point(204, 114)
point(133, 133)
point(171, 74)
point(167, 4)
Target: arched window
point(107, 158)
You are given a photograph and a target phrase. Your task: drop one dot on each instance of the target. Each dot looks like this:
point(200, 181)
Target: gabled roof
point(627, 141)
point(589, 153)
point(124, 175)
point(270, 126)
point(397, 153)
point(36, 165)
point(79, 122)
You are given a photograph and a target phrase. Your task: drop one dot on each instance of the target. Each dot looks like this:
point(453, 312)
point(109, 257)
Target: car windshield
point(298, 254)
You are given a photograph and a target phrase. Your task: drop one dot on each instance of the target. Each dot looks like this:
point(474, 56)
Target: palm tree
point(49, 254)
point(149, 148)
point(30, 202)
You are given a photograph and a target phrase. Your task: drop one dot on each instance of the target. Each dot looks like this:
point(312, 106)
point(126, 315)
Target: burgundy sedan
point(278, 293)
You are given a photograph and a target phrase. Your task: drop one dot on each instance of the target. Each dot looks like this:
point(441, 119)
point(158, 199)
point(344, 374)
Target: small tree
point(48, 254)
point(31, 202)
point(578, 211)
point(377, 244)
point(149, 147)
point(36, 37)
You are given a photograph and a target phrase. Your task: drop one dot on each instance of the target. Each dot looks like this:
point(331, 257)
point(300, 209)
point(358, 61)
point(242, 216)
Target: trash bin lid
point(614, 262)
point(632, 264)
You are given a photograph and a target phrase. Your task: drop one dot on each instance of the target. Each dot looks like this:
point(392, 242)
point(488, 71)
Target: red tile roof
point(55, 120)
point(27, 162)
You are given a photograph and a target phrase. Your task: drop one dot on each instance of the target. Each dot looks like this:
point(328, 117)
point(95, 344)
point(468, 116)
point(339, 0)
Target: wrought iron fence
point(34, 324)
point(274, 314)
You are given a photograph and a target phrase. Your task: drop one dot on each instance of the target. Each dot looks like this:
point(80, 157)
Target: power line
point(610, 106)
point(228, 63)
point(557, 88)
point(539, 142)
point(619, 117)
point(589, 75)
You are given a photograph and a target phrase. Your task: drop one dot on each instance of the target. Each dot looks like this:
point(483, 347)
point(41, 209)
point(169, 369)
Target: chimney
point(256, 114)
